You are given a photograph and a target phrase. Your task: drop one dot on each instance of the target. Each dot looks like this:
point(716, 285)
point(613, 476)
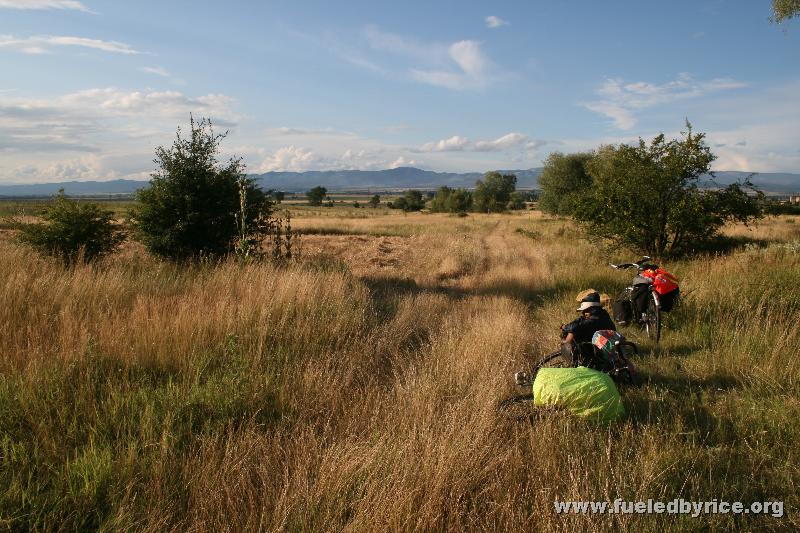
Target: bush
point(190, 208)
point(74, 231)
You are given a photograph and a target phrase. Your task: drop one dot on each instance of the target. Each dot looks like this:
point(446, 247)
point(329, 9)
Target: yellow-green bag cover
point(585, 392)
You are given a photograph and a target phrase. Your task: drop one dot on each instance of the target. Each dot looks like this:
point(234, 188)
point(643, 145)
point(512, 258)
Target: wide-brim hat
point(587, 305)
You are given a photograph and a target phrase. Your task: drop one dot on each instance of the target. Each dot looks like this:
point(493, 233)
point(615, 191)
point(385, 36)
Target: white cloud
point(43, 43)
point(506, 142)
point(44, 4)
point(453, 144)
point(403, 162)
point(456, 143)
point(158, 71)
point(620, 100)
point(289, 132)
point(495, 22)
point(473, 70)
point(461, 65)
point(289, 158)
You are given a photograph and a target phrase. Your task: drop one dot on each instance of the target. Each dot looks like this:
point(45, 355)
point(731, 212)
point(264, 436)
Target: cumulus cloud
point(40, 44)
point(493, 22)
point(456, 143)
point(289, 158)
point(620, 100)
point(403, 162)
point(44, 4)
point(506, 142)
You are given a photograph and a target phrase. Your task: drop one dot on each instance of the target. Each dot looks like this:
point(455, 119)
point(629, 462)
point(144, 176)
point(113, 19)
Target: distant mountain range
point(368, 180)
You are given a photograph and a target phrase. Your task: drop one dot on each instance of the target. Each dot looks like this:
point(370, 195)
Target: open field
point(356, 388)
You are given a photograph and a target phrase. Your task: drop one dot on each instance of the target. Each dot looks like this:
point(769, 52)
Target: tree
point(74, 231)
point(493, 192)
point(316, 195)
point(411, 201)
point(374, 201)
point(190, 207)
point(439, 201)
point(783, 10)
point(517, 201)
point(563, 181)
point(647, 196)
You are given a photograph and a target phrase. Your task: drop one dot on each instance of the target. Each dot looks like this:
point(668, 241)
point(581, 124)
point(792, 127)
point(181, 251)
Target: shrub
point(74, 231)
point(189, 210)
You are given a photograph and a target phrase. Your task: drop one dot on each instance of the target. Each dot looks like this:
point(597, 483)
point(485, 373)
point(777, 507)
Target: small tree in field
point(648, 196)
point(190, 208)
point(74, 231)
point(374, 201)
point(564, 181)
point(493, 193)
point(316, 195)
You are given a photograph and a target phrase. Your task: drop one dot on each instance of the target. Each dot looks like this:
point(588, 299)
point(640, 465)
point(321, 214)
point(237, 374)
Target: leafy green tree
point(459, 201)
point(493, 193)
point(647, 196)
point(74, 231)
point(374, 201)
point(316, 195)
point(190, 207)
point(783, 10)
point(439, 201)
point(563, 181)
point(517, 201)
point(413, 201)
point(447, 200)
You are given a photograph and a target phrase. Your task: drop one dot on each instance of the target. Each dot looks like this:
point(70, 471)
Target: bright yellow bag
point(585, 392)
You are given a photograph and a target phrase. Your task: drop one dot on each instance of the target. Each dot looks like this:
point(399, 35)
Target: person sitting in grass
point(593, 318)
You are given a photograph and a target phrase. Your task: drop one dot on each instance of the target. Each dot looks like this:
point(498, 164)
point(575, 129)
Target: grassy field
point(356, 388)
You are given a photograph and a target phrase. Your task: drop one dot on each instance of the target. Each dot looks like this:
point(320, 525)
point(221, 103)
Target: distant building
point(794, 199)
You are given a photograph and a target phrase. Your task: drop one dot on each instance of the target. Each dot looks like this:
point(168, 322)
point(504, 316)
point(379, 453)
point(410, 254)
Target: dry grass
point(357, 389)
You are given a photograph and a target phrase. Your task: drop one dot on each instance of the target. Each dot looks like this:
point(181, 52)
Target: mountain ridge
point(369, 180)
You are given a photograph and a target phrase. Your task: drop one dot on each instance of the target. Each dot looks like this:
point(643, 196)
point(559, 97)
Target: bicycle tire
point(551, 360)
point(652, 322)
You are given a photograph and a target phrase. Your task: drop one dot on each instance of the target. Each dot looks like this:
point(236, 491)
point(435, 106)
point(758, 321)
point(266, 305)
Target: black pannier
point(623, 313)
point(668, 300)
point(639, 297)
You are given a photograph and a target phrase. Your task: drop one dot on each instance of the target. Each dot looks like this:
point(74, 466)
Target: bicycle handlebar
point(640, 265)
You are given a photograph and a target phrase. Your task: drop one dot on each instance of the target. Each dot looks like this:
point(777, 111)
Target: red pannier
point(666, 285)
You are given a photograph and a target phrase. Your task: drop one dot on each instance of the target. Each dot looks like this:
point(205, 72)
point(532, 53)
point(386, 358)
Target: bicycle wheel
point(551, 360)
point(652, 318)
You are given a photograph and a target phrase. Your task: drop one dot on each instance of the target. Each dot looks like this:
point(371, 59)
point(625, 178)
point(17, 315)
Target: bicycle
point(587, 354)
point(652, 292)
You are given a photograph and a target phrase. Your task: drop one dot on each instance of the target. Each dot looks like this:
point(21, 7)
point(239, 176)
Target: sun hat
point(590, 300)
point(586, 305)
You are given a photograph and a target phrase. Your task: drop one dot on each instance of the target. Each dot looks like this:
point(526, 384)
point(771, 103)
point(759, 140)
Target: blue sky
point(89, 88)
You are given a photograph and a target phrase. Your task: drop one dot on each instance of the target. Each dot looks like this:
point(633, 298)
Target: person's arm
point(569, 338)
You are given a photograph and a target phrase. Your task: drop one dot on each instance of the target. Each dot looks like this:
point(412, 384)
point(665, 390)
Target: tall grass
point(141, 395)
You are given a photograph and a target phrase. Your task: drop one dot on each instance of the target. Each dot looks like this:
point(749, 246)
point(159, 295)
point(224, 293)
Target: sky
point(90, 88)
